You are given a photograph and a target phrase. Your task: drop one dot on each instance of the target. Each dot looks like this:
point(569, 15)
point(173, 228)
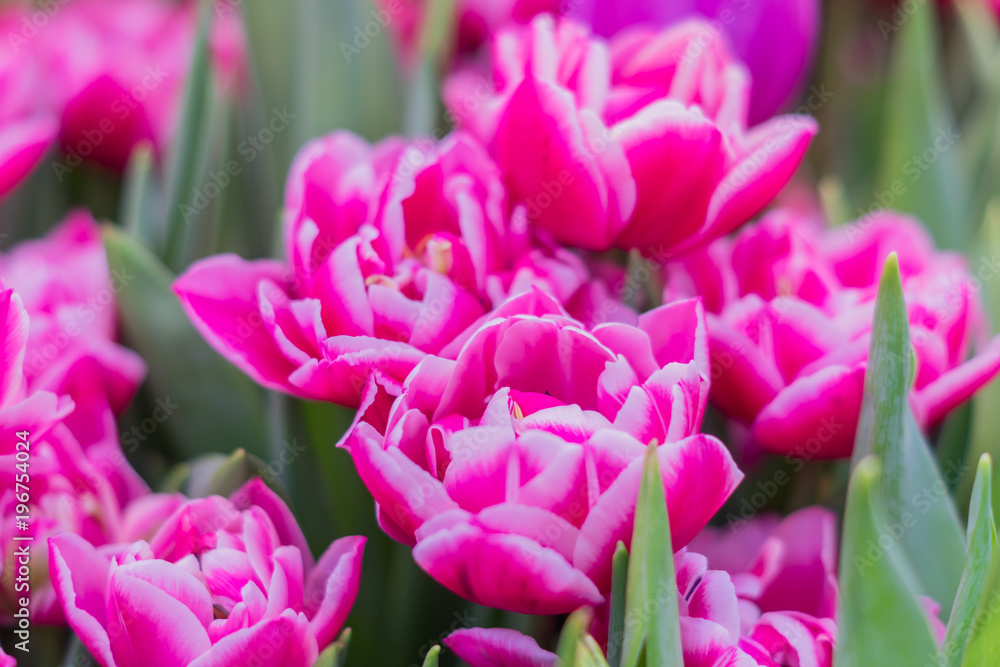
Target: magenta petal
point(282, 640)
point(506, 571)
point(22, 145)
point(407, 494)
point(176, 583)
point(707, 644)
point(937, 399)
point(332, 587)
point(744, 379)
point(677, 332)
point(698, 474)
point(80, 576)
point(676, 158)
point(540, 138)
point(219, 294)
point(816, 416)
point(773, 153)
point(498, 647)
point(256, 493)
point(143, 617)
point(13, 344)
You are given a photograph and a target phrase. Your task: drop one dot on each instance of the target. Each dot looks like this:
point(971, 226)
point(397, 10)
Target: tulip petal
point(498, 647)
point(816, 412)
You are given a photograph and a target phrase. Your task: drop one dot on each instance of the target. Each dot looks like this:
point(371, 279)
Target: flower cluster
point(528, 315)
point(223, 581)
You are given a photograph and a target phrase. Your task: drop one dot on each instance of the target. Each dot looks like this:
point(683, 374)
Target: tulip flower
point(523, 453)
point(69, 489)
point(775, 606)
point(776, 39)
point(129, 87)
point(392, 252)
point(641, 142)
point(27, 128)
point(790, 336)
point(69, 292)
point(223, 582)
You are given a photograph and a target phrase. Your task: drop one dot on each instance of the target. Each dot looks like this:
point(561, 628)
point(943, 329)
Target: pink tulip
point(27, 128)
point(775, 38)
point(392, 252)
point(794, 305)
point(223, 582)
point(6, 660)
point(775, 607)
point(69, 292)
point(640, 142)
point(128, 86)
point(70, 488)
point(519, 450)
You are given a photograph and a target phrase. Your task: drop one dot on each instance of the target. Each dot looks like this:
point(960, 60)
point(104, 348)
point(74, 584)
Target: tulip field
point(499, 333)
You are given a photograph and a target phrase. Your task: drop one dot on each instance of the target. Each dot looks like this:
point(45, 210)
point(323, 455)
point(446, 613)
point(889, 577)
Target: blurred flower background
point(237, 233)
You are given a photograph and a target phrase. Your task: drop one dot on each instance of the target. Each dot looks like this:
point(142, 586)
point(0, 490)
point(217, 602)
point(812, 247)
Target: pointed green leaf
point(213, 407)
point(920, 170)
point(616, 624)
point(911, 489)
point(983, 647)
point(982, 543)
point(985, 417)
point(436, 40)
point(571, 636)
point(879, 621)
point(188, 143)
point(652, 626)
point(432, 656)
point(218, 475)
point(336, 653)
point(589, 653)
point(135, 213)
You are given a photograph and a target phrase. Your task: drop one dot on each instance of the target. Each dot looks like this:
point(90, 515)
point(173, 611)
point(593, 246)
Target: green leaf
point(212, 406)
point(436, 40)
point(572, 635)
point(921, 170)
point(432, 656)
point(616, 624)
point(220, 475)
point(983, 648)
point(880, 621)
point(911, 489)
point(589, 653)
point(652, 626)
point(135, 213)
point(188, 143)
point(982, 543)
point(336, 653)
